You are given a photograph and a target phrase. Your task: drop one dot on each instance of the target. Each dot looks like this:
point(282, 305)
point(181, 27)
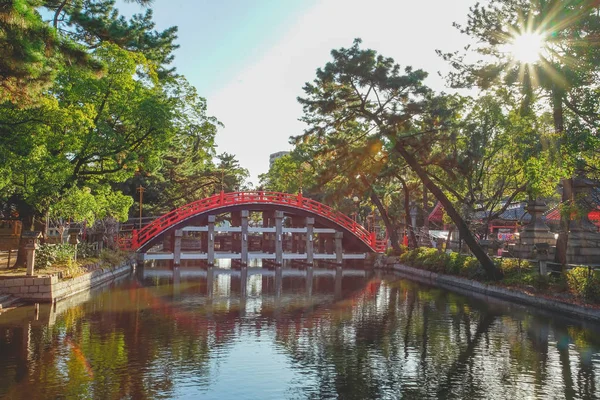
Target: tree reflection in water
point(350, 337)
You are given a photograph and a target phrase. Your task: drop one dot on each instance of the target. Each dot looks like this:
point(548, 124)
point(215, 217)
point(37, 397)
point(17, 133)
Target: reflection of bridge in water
point(246, 226)
point(223, 282)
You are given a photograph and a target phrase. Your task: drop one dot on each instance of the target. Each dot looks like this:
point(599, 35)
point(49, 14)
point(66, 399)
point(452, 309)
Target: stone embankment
point(530, 299)
point(51, 289)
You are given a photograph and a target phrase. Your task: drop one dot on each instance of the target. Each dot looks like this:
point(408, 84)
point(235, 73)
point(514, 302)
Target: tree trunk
point(559, 126)
point(27, 219)
point(393, 234)
point(412, 239)
point(560, 256)
point(425, 209)
point(450, 230)
point(486, 262)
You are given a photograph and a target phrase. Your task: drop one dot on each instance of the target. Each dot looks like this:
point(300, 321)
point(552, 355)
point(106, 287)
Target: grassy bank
point(578, 285)
point(59, 259)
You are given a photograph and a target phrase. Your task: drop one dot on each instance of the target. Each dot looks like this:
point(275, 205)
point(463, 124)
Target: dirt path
point(4, 259)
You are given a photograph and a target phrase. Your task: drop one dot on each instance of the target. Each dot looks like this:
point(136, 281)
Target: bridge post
point(266, 237)
point(338, 246)
point(243, 288)
point(310, 222)
point(328, 241)
point(236, 238)
point(210, 249)
point(177, 248)
point(244, 244)
point(278, 237)
point(210, 279)
point(338, 282)
point(309, 281)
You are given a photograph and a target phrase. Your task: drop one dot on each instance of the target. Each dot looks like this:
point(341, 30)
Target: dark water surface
point(264, 335)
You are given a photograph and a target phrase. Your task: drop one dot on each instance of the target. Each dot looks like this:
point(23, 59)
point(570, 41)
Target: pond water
point(263, 334)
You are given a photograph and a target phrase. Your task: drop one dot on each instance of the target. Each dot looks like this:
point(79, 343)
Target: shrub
point(71, 270)
point(410, 257)
point(112, 257)
point(584, 283)
point(529, 278)
point(455, 263)
point(512, 266)
point(85, 250)
point(472, 269)
point(432, 260)
point(49, 254)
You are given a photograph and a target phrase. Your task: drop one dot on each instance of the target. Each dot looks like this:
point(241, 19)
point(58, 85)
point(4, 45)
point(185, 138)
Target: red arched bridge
point(200, 212)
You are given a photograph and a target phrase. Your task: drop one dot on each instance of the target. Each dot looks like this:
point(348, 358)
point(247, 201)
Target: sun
point(527, 47)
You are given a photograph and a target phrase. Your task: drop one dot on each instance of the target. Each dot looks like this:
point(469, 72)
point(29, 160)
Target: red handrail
point(161, 224)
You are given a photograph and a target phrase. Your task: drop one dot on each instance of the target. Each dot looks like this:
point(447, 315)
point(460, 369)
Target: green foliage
point(558, 92)
point(71, 270)
point(511, 266)
point(90, 133)
point(362, 103)
point(287, 175)
point(81, 205)
point(584, 283)
point(112, 257)
point(451, 263)
point(85, 250)
point(393, 252)
point(49, 254)
point(456, 261)
point(33, 50)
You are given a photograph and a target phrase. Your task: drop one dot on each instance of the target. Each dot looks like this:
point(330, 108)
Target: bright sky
point(251, 58)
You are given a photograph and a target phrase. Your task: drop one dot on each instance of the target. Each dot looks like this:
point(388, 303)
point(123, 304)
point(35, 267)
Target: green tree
point(232, 175)
point(359, 85)
point(81, 205)
point(558, 83)
point(288, 174)
point(30, 52)
point(91, 130)
point(186, 170)
point(33, 51)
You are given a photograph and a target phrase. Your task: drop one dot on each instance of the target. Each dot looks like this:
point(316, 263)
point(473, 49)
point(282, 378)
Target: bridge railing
point(159, 225)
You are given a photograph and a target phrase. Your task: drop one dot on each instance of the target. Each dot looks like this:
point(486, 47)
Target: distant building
point(275, 156)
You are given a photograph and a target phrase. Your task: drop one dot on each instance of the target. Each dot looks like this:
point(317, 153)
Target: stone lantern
point(74, 239)
point(31, 244)
point(584, 240)
point(536, 232)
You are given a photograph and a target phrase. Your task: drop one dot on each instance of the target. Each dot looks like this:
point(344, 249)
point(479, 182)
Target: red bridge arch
point(143, 236)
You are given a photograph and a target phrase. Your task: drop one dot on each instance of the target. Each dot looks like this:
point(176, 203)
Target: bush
point(432, 260)
point(528, 278)
point(391, 252)
point(85, 250)
point(512, 266)
point(469, 267)
point(455, 263)
point(472, 269)
point(71, 270)
point(49, 254)
point(584, 283)
point(112, 257)
point(410, 257)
